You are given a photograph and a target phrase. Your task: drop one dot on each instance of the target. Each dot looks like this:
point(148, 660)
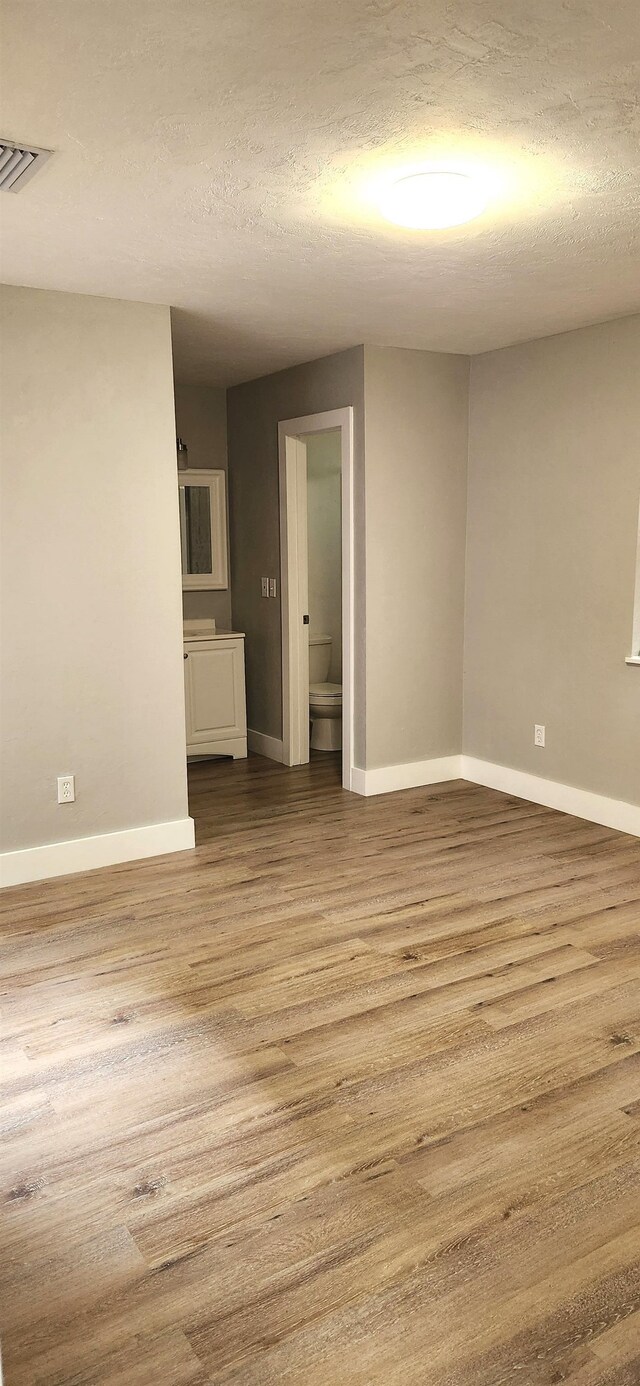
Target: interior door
point(295, 590)
point(303, 601)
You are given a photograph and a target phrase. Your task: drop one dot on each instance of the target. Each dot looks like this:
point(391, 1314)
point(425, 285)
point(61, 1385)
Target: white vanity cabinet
point(215, 699)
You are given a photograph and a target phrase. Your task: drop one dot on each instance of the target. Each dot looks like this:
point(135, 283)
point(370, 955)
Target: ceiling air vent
point(18, 163)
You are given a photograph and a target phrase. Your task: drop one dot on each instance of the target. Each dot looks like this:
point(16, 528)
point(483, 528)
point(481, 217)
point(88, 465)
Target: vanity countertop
point(214, 635)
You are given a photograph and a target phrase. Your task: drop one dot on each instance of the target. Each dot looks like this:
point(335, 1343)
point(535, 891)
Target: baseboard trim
point(86, 853)
point(157, 839)
point(264, 745)
point(389, 778)
point(581, 803)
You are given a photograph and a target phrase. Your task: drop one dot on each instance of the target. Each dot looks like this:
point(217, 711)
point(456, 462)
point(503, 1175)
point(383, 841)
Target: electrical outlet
point(264, 587)
point(539, 736)
point(66, 789)
point(272, 587)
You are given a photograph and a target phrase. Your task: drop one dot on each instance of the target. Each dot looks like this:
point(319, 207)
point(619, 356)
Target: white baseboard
point(581, 803)
point(105, 849)
point(596, 808)
point(133, 844)
point(263, 745)
point(388, 778)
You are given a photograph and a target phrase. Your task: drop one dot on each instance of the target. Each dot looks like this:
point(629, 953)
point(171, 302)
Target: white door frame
point(292, 460)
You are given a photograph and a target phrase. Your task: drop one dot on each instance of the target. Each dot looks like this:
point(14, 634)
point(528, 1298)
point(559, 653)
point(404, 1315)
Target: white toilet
point(325, 699)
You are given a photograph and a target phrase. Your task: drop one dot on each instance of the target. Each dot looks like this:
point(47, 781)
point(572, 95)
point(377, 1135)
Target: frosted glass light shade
point(432, 201)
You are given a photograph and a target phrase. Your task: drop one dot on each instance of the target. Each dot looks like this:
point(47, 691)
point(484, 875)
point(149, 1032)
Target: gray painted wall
point(91, 593)
point(415, 487)
point(92, 680)
point(554, 487)
point(411, 407)
point(253, 413)
point(201, 421)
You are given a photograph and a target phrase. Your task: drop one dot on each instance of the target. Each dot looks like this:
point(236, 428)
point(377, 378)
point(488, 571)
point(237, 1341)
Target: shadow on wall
point(196, 339)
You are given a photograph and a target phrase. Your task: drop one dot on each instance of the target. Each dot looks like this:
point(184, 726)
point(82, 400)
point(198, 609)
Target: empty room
point(320, 693)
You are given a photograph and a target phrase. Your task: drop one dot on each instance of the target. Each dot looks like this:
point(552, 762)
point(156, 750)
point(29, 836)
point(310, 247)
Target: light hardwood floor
point(350, 1095)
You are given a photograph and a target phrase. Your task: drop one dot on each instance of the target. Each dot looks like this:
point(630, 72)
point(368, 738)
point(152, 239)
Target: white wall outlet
point(66, 789)
point(264, 587)
point(272, 587)
point(539, 734)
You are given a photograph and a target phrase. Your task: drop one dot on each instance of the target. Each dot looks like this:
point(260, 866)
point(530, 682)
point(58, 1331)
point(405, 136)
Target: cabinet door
point(214, 691)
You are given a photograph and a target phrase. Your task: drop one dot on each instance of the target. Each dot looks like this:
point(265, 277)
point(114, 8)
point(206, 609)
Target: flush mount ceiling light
point(433, 200)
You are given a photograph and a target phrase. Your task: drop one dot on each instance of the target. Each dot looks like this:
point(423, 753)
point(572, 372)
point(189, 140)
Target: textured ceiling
point(223, 156)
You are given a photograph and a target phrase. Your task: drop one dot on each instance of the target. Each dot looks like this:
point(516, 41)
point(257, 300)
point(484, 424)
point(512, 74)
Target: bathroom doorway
point(316, 463)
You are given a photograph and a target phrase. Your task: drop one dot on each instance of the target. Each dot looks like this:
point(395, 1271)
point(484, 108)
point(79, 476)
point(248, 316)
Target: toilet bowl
point(325, 699)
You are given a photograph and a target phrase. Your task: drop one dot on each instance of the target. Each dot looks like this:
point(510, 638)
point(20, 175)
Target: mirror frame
point(218, 579)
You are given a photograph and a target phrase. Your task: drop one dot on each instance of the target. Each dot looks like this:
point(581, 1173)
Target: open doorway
point(309, 466)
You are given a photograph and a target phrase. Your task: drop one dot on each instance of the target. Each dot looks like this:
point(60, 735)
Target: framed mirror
point(203, 529)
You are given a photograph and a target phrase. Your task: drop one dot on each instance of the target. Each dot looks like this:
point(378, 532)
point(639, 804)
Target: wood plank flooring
point(349, 1096)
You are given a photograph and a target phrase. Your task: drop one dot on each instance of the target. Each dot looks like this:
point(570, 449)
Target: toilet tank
point(319, 658)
